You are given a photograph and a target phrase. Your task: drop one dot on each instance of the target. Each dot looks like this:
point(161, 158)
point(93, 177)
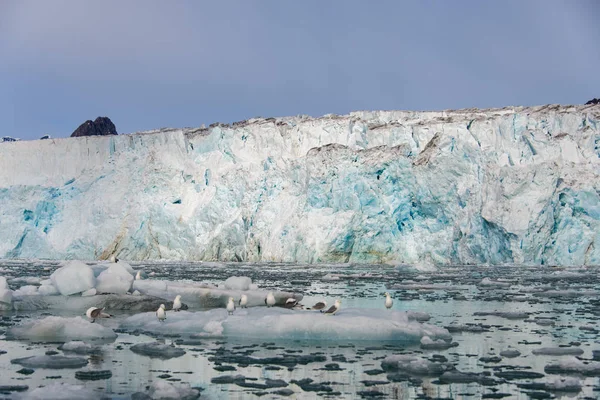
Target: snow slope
point(512, 185)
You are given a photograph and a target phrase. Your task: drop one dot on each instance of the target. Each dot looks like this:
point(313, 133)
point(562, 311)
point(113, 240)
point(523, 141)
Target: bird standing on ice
point(244, 301)
point(319, 306)
point(270, 300)
point(292, 303)
point(388, 301)
point(230, 306)
point(94, 313)
point(177, 303)
point(334, 308)
point(161, 313)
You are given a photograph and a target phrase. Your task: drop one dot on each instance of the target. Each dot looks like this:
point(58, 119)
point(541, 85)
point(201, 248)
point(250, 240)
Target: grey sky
point(150, 64)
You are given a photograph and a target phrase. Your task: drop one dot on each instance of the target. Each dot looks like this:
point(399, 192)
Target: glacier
point(517, 185)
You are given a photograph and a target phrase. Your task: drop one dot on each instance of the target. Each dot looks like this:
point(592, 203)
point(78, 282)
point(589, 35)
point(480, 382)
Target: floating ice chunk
point(127, 267)
point(572, 294)
point(203, 323)
point(418, 316)
point(440, 344)
point(573, 365)
point(3, 283)
point(79, 347)
point(490, 283)
point(504, 314)
point(81, 304)
point(51, 362)
point(136, 293)
point(90, 292)
point(60, 329)
point(27, 290)
point(414, 365)
point(558, 351)
point(166, 391)
point(5, 294)
point(28, 280)
point(115, 279)
point(73, 277)
point(62, 391)
point(47, 289)
point(157, 350)
point(571, 385)
point(282, 324)
point(511, 353)
point(564, 385)
point(238, 283)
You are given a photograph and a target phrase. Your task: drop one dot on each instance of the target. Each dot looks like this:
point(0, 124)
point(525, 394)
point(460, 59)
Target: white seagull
point(244, 301)
point(177, 303)
point(270, 300)
point(388, 301)
point(230, 306)
point(161, 313)
point(334, 308)
point(319, 306)
point(94, 313)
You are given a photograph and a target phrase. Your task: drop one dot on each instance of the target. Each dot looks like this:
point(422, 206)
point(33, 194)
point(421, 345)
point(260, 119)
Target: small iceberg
point(283, 324)
point(60, 329)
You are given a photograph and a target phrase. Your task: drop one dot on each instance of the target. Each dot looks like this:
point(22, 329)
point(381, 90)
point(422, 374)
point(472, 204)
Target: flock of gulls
point(94, 313)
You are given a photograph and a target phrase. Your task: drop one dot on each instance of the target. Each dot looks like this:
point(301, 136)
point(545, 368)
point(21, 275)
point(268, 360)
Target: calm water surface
point(558, 303)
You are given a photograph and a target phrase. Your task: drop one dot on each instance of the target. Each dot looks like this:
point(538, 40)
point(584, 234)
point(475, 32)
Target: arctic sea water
point(517, 332)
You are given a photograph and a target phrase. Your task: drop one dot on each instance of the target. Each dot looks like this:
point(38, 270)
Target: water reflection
point(356, 374)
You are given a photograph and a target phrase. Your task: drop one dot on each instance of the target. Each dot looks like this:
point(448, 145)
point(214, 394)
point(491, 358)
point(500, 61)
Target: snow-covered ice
point(282, 324)
point(60, 329)
point(73, 277)
point(6, 294)
point(157, 350)
point(115, 279)
point(238, 283)
point(51, 362)
point(79, 347)
point(161, 390)
point(62, 391)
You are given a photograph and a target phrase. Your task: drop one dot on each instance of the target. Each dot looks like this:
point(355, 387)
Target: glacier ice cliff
point(497, 186)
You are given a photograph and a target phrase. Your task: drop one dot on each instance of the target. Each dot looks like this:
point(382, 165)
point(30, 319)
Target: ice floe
point(157, 350)
point(167, 391)
point(51, 362)
point(62, 391)
point(73, 277)
point(282, 324)
point(115, 279)
point(60, 329)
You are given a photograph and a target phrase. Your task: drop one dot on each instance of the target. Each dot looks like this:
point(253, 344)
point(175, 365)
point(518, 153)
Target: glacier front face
point(513, 185)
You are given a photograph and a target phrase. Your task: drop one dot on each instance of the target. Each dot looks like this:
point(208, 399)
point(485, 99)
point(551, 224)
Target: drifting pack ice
point(513, 185)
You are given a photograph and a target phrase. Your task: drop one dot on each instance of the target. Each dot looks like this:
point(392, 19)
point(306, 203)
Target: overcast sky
point(151, 64)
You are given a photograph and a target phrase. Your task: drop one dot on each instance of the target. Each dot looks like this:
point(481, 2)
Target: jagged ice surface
point(513, 185)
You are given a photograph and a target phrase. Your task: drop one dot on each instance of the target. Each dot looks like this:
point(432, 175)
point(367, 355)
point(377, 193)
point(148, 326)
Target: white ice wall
point(514, 185)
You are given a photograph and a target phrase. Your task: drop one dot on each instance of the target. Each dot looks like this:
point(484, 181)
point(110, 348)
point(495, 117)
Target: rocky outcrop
point(102, 126)
point(593, 101)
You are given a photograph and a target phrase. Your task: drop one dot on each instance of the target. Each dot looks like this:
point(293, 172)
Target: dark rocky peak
point(593, 101)
point(102, 126)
